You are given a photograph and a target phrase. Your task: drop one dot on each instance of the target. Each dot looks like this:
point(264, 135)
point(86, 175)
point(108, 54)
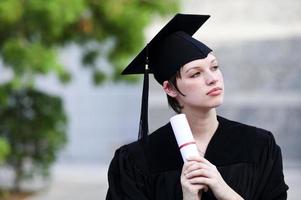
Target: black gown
point(247, 157)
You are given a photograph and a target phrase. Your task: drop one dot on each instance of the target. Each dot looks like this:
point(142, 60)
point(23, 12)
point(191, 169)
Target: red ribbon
point(186, 144)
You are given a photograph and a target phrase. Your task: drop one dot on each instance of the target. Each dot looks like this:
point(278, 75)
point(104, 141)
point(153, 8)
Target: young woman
point(236, 161)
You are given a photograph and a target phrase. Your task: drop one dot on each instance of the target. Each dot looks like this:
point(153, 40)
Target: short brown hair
point(173, 102)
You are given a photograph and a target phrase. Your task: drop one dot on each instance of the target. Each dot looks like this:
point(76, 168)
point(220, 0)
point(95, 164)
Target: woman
point(236, 161)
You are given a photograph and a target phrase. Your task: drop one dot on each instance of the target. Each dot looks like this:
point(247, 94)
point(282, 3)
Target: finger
point(206, 188)
point(200, 180)
point(194, 158)
point(197, 165)
point(186, 166)
point(204, 160)
point(208, 163)
point(198, 187)
point(199, 172)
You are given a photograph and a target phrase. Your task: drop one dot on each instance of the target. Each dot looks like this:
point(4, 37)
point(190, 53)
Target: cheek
point(191, 89)
point(221, 78)
point(184, 86)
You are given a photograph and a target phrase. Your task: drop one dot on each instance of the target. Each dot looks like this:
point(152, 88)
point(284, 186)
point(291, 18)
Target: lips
point(214, 89)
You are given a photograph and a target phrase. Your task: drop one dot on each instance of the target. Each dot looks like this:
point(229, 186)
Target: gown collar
point(163, 152)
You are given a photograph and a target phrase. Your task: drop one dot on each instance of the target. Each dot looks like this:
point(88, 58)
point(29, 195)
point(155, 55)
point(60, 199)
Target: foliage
point(4, 149)
point(32, 32)
point(34, 124)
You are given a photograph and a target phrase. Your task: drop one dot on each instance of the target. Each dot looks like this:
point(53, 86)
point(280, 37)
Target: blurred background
point(64, 108)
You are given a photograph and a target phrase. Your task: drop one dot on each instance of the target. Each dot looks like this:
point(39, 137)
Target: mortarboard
point(165, 54)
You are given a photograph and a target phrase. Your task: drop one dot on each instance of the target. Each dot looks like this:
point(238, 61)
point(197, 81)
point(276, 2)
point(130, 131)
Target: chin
point(207, 106)
point(215, 104)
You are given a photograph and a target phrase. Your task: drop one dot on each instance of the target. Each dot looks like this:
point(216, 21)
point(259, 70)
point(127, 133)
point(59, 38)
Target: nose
point(211, 78)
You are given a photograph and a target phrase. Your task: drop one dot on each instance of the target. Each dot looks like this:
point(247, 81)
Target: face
point(199, 79)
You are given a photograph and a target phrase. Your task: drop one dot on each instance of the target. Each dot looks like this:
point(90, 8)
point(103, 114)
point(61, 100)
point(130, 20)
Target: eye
point(195, 75)
point(214, 68)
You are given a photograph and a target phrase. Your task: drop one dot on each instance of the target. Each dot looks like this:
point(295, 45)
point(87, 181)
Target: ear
point(169, 89)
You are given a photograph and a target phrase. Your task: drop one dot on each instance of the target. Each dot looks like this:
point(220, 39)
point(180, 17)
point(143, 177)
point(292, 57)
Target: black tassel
point(143, 126)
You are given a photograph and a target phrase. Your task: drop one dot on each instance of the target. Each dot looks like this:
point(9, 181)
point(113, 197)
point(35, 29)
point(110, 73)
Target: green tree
point(4, 149)
point(34, 124)
point(32, 31)
point(31, 34)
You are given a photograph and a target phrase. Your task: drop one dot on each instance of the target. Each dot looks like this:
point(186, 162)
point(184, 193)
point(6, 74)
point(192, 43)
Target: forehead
point(210, 59)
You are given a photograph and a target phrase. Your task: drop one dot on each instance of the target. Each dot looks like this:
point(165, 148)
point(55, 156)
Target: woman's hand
point(190, 191)
point(198, 173)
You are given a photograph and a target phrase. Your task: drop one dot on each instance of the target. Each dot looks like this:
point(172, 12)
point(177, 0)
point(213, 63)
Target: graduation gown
point(247, 157)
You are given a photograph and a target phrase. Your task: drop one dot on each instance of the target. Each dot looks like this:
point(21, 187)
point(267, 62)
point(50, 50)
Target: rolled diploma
point(184, 136)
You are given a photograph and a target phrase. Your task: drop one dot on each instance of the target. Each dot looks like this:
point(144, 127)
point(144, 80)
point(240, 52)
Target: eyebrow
point(191, 69)
point(212, 61)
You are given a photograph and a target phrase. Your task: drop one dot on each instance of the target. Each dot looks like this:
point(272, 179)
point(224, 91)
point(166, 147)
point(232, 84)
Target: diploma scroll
point(184, 136)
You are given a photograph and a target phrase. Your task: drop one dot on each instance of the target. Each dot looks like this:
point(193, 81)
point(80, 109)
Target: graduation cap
point(165, 54)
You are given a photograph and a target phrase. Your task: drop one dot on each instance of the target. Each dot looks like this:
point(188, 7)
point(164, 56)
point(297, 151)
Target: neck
point(203, 124)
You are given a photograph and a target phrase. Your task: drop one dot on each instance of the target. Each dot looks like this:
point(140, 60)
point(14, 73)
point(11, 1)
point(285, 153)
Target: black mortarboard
point(165, 54)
